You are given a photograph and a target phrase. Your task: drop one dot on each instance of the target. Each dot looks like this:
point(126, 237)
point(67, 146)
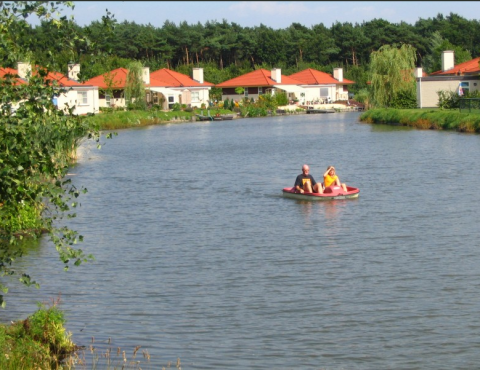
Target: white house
point(320, 87)
point(458, 78)
point(82, 97)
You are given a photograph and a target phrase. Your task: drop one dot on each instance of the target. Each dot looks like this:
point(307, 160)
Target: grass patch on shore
point(425, 119)
point(38, 342)
point(136, 118)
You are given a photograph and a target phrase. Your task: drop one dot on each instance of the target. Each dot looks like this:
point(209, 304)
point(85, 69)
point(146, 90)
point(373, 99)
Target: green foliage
point(433, 60)
point(38, 342)
point(176, 107)
point(281, 99)
point(239, 90)
point(391, 71)
point(448, 99)
point(134, 87)
point(37, 142)
point(424, 119)
point(405, 99)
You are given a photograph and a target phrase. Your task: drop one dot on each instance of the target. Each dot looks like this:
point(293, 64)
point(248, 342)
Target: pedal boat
point(330, 193)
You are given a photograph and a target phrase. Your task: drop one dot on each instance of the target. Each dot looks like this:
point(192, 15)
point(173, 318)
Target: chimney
point(418, 72)
point(146, 75)
point(24, 69)
point(276, 75)
point(338, 74)
point(448, 60)
point(73, 71)
point(198, 75)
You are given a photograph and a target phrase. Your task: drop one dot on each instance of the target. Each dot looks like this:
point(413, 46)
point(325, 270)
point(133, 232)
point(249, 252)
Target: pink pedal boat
point(330, 193)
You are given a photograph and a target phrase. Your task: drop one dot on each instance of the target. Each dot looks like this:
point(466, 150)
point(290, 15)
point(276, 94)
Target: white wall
point(71, 97)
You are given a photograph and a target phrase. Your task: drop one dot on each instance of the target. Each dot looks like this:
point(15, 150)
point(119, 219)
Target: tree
point(134, 87)
point(433, 60)
point(36, 143)
point(391, 72)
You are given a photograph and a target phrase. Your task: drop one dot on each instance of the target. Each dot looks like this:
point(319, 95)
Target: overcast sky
point(275, 14)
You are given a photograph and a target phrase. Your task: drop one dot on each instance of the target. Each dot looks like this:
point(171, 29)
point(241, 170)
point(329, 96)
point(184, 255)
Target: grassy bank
point(137, 118)
point(38, 342)
point(433, 119)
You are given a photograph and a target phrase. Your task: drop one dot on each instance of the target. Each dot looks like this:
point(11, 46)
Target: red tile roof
point(118, 76)
point(161, 78)
point(260, 77)
point(13, 72)
point(313, 77)
point(62, 80)
point(167, 78)
point(468, 67)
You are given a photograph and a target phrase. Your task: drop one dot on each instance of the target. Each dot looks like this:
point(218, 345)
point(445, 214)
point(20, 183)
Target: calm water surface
point(199, 257)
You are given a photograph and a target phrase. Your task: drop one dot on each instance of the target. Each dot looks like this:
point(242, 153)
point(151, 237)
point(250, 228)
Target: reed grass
point(112, 358)
point(424, 119)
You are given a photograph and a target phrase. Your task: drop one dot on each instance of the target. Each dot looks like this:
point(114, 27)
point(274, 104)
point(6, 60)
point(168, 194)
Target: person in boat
point(330, 178)
point(305, 183)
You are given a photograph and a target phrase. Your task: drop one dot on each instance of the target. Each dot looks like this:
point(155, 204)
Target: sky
point(274, 14)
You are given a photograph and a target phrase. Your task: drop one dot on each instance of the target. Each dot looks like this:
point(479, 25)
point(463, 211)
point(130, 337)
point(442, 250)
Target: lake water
point(199, 257)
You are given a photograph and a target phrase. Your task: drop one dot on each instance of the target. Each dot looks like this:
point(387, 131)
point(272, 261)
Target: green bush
point(448, 100)
point(38, 342)
point(281, 99)
point(405, 99)
point(176, 107)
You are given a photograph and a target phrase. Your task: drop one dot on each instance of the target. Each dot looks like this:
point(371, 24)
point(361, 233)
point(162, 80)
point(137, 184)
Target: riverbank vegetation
point(424, 119)
point(38, 342)
point(38, 144)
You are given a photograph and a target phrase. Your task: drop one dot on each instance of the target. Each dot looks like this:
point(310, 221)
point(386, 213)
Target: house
point(83, 98)
point(166, 88)
point(260, 82)
point(163, 87)
point(320, 87)
point(458, 78)
point(111, 87)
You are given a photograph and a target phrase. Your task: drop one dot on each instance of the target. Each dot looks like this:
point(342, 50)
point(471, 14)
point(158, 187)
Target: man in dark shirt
point(305, 183)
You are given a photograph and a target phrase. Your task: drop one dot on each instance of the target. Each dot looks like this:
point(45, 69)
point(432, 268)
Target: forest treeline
point(226, 49)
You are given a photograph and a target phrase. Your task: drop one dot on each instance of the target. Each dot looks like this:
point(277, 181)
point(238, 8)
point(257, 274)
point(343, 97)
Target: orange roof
point(118, 76)
point(465, 68)
point(13, 73)
point(167, 78)
point(62, 79)
point(260, 77)
point(161, 78)
point(313, 77)
point(53, 76)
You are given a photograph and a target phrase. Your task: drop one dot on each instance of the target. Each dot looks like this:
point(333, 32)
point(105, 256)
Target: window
point(82, 98)
point(246, 92)
point(260, 91)
point(464, 87)
point(171, 99)
point(195, 96)
point(324, 92)
point(108, 100)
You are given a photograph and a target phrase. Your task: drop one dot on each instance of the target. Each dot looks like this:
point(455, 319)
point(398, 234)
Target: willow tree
point(134, 86)
point(391, 74)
